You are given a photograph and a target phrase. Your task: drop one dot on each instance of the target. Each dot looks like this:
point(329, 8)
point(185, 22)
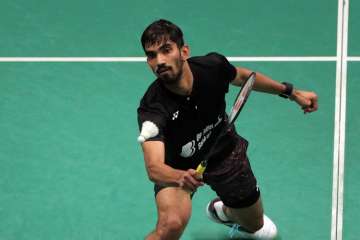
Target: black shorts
point(231, 178)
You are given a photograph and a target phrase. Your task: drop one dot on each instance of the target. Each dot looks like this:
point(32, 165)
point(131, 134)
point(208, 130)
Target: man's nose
point(160, 59)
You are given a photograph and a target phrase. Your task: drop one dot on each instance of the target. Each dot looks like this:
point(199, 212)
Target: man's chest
point(193, 123)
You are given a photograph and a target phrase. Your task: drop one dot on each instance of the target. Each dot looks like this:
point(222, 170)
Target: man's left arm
point(307, 100)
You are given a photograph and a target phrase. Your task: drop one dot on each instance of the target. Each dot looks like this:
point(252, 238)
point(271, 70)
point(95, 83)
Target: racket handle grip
point(201, 168)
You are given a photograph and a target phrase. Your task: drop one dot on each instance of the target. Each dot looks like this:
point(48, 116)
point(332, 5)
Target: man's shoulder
point(211, 59)
point(154, 98)
point(152, 93)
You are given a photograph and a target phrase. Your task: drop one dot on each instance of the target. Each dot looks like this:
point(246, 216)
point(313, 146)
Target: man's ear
point(185, 52)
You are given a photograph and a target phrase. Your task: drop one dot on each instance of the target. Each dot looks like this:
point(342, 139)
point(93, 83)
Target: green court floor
point(70, 164)
point(354, 31)
point(352, 153)
point(70, 160)
point(113, 28)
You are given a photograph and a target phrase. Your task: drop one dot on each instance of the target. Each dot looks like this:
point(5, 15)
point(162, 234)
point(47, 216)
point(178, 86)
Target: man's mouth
point(162, 70)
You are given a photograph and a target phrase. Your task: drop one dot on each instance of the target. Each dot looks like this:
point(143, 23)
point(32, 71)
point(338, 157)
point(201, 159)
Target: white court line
point(353, 59)
point(283, 59)
point(143, 59)
point(339, 127)
point(72, 59)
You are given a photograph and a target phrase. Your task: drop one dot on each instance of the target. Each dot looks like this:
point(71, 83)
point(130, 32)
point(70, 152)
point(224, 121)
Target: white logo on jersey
point(175, 115)
point(191, 147)
point(188, 149)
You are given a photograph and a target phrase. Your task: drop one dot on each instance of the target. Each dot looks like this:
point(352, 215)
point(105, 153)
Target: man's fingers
point(312, 107)
point(308, 103)
point(193, 180)
point(189, 185)
point(195, 174)
point(315, 105)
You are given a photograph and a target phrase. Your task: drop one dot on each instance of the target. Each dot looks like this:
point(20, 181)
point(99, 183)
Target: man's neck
point(185, 84)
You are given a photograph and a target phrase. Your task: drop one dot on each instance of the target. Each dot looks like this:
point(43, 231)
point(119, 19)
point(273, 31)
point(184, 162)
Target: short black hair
point(160, 31)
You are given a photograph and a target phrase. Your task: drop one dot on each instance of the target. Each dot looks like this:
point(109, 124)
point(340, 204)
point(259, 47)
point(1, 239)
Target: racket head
point(242, 97)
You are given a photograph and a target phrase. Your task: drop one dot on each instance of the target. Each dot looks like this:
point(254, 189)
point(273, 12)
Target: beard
point(170, 76)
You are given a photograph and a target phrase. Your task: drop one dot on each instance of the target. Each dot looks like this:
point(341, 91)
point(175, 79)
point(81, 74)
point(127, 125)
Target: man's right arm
point(162, 174)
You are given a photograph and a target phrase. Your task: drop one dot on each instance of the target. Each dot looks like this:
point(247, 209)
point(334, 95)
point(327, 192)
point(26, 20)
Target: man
point(180, 116)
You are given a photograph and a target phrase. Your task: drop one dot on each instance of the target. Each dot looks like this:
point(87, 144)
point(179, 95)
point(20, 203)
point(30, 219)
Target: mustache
point(161, 68)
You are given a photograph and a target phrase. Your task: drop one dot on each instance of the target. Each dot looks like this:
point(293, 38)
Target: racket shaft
point(203, 164)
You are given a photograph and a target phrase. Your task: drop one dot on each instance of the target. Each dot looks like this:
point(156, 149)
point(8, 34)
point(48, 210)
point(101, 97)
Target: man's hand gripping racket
point(235, 110)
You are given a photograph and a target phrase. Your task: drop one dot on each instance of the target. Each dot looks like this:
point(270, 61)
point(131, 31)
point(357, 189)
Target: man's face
point(166, 60)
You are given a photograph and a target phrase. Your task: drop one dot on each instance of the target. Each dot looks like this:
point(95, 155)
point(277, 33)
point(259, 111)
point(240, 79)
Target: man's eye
point(151, 55)
point(167, 50)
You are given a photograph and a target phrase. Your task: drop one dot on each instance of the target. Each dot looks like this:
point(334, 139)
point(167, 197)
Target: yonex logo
point(175, 115)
